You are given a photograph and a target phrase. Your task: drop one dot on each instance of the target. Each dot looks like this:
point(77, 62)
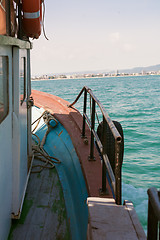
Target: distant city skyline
point(149, 69)
point(94, 35)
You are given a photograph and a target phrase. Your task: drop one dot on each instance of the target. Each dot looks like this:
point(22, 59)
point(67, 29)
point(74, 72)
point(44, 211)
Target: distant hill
point(140, 69)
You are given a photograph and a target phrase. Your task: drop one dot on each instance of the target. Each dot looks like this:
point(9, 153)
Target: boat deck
point(109, 221)
point(43, 214)
point(51, 209)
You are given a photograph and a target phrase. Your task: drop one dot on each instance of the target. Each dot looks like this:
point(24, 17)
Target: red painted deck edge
point(71, 119)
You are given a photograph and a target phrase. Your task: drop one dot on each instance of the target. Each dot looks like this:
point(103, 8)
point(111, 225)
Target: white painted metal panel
point(6, 155)
point(20, 160)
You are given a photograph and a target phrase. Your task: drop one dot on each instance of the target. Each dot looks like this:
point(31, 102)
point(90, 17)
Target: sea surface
point(135, 103)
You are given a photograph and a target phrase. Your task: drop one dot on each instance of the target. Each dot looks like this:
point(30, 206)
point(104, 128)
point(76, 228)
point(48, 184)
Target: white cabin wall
point(20, 131)
point(16, 134)
point(13, 131)
point(6, 156)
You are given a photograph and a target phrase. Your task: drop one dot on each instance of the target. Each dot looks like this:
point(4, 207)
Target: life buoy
point(32, 17)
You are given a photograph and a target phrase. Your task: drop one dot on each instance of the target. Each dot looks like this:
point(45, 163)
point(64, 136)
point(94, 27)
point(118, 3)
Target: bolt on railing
point(114, 175)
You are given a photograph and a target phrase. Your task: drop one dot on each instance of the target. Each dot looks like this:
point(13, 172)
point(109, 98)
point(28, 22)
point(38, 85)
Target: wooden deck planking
point(43, 214)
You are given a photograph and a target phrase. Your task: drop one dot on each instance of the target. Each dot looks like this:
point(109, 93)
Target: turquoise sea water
point(135, 103)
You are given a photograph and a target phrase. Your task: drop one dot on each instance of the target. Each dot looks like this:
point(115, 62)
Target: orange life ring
point(32, 17)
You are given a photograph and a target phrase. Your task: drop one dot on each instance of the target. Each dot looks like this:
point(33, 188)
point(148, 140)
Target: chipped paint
point(60, 133)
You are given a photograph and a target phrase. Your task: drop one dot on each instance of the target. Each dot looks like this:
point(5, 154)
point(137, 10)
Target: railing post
point(153, 226)
point(104, 140)
point(152, 223)
point(84, 112)
point(91, 157)
point(117, 173)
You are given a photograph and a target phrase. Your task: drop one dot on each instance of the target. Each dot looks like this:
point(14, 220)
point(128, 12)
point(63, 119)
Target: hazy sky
point(97, 35)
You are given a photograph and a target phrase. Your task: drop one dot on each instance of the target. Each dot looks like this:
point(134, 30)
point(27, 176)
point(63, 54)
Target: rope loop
point(37, 149)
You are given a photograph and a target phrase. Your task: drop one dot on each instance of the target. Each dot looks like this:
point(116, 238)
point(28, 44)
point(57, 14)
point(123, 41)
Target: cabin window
point(4, 102)
point(22, 80)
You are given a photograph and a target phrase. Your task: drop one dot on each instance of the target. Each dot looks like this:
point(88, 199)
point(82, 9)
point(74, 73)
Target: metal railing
point(114, 174)
point(153, 228)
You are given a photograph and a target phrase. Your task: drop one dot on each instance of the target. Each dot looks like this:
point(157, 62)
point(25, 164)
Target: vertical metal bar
point(8, 17)
point(159, 219)
point(103, 177)
point(152, 227)
point(84, 111)
point(91, 157)
point(104, 139)
point(117, 173)
point(29, 109)
point(20, 35)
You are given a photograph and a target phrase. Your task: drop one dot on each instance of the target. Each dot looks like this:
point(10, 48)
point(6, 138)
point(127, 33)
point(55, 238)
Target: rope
point(43, 21)
point(40, 154)
point(38, 151)
point(2, 6)
point(37, 120)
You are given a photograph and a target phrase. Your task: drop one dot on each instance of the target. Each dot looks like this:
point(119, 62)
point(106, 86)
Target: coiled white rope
point(38, 151)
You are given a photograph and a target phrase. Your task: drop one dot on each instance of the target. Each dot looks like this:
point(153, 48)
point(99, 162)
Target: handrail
point(107, 118)
point(115, 178)
point(153, 214)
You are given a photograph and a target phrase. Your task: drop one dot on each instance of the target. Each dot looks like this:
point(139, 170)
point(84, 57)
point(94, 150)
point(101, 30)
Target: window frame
point(23, 63)
point(5, 78)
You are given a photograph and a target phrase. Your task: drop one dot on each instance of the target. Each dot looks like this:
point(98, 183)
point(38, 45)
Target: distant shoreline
point(74, 78)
